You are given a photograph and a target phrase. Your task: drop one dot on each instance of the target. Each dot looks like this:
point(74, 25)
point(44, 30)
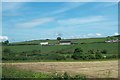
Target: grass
point(20, 51)
point(10, 72)
point(110, 47)
point(96, 69)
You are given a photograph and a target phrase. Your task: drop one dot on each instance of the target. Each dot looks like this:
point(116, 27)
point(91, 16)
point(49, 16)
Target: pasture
point(42, 61)
point(112, 48)
point(58, 52)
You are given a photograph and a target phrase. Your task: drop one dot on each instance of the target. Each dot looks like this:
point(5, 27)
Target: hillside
point(79, 41)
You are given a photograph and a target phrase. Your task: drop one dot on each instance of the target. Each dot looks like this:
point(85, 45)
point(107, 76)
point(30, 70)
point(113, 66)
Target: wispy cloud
point(75, 21)
point(66, 7)
point(34, 23)
point(92, 35)
point(12, 8)
point(104, 5)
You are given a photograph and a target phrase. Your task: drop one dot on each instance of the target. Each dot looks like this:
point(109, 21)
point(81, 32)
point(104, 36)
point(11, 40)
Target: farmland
point(92, 49)
point(96, 69)
point(85, 58)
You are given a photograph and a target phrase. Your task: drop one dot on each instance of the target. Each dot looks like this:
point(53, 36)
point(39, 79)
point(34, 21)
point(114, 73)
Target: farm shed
point(44, 43)
point(65, 42)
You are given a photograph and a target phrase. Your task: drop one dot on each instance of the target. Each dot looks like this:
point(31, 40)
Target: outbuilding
point(65, 42)
point(44, 43)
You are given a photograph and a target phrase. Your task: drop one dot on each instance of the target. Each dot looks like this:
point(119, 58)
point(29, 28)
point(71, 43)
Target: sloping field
point(96, 69)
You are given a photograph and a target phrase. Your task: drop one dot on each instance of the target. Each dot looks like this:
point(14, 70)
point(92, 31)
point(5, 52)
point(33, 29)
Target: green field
point(35, 51)
point(112, 48)
point(32, 51)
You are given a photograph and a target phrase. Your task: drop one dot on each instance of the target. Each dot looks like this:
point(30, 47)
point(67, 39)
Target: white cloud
point(116, 33)
point(35, 22)
point(3, 38)
point(75, 21)
point(90, 35)
point(98, 34)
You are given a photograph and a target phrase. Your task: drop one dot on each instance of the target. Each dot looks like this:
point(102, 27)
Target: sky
point(23, 21)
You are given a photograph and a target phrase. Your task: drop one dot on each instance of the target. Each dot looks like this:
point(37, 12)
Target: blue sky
point(46, 20)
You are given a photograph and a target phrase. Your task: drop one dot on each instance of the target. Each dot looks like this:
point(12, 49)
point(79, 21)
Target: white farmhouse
point(65, 42)
point(44, 43)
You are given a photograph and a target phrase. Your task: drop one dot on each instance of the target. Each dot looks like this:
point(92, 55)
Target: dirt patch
point(96, 69)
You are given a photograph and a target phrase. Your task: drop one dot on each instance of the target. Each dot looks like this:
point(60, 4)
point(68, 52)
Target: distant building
point(44, 43)
point(117, 40)
point(64, 42)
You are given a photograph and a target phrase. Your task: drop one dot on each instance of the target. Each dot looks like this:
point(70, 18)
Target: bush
point(78, 50)
point(104, 51)
point(98, 55)
point(91, 51)
point(76, 56)
point(6, 50)
point(91, 56)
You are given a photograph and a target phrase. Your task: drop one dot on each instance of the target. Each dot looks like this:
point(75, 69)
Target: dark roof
point(65, 41)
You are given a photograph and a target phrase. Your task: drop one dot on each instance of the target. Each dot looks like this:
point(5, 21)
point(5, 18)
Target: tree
point(108, 38)
point(78, 50)
point(5, 42)
point(58, 38)
point(104, 51)
point(78, 53)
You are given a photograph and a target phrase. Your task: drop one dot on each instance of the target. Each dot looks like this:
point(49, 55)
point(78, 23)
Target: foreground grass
point(10, 73)
point(97, 69)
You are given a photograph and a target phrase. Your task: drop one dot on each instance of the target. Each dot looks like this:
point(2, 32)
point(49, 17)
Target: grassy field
point(110, 47)
point(12, 72)
point(97, 69)
point(62, 52)
point(40, 61)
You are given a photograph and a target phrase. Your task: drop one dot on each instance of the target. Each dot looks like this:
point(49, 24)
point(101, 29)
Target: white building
point(44, 43)
point(65, 42)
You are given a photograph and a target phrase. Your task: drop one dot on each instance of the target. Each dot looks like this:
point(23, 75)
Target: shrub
point(78, 50)
point(6, 50)
point(75, 56)
point(91, 51)
point(98, 55)
point(91, 56)
point(104, 51)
